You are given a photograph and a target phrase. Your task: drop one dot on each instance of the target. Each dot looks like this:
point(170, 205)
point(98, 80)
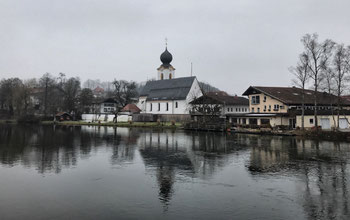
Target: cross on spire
point(166, 42)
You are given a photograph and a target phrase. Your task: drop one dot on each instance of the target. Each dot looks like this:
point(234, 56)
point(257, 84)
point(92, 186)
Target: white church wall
point(141, 104)
point(173, 108)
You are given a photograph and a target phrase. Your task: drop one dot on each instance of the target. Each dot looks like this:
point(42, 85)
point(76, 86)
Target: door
point(325, 123)
point(343, 123)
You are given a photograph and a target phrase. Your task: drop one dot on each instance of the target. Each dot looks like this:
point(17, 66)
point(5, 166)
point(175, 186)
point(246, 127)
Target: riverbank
point(119, 124)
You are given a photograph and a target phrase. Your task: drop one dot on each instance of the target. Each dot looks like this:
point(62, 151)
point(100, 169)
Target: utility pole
point(191, 68)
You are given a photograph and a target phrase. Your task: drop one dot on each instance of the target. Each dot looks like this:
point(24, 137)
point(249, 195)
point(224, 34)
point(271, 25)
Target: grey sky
point(232, 43)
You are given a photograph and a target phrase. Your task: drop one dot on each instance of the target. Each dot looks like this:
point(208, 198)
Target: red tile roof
point(131, 108)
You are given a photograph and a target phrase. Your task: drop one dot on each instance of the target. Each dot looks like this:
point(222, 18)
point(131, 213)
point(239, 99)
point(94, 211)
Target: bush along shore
point(331, 135)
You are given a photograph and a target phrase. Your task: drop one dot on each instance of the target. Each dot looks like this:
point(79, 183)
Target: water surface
point(86, 172)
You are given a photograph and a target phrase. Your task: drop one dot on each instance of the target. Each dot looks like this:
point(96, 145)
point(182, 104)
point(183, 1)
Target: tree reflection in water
point(320, 169)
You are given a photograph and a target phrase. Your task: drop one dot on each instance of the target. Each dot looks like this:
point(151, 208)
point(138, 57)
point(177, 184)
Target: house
point(102, 111)
point(282, 106)
point(126, 114)
point(169, 97)
point(63, 116)
point(130, 109)
point(107, 106)
point(220, 104)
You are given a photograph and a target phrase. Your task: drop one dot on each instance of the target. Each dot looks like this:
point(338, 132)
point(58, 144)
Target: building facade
point(168, 95)
point(282, 106)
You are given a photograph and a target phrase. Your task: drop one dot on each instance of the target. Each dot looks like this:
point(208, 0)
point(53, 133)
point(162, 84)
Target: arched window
point(161, 76)
point(170, 76)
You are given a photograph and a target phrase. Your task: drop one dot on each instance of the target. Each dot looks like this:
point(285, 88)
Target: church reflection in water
point(321, 168)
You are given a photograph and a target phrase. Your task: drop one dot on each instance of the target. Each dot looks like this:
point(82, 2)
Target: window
point(276, 107)
point(255, 100)
point(158, 106)
point(167, 106)
point(170, 76)
point(311, 120)
point(105, 109)
point(150, 106)
point(281, 107)
point(264, 98)
point(269, 107)
point(176, 105)
point(252, 109)
point(258, 109)
point(264, 108)
point(236, 109)
point(161, 76)
point(231, 109)
point(228, 109)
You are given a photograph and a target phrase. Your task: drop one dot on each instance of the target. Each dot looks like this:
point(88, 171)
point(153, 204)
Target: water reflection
point(321, 167)
point(318, 170)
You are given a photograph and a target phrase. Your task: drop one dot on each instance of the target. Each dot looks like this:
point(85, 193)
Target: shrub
point(32, 119)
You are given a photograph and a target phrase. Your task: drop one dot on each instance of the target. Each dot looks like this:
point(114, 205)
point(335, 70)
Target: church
point(168, 95)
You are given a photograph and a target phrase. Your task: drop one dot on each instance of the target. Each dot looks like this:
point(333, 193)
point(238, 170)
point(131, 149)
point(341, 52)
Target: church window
point(167, 106)
point(170, 76)
point(161, 76)
point(150, 106)
point(158, 106)
point(176, 105)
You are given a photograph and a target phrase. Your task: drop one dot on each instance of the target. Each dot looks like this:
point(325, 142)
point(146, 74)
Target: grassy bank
point(8, 121)
point(119, 124)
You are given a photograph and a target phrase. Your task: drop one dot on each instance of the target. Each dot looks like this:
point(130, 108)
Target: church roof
point(170, 89)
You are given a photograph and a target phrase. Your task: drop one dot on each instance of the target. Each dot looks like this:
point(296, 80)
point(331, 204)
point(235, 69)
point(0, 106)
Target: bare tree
point(341, 70)
point(319, 55)
point(125, 92)
point(301, 73)
point(47, 82)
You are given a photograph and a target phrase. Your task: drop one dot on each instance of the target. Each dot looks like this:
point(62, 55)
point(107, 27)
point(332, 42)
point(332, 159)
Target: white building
point(168, 95)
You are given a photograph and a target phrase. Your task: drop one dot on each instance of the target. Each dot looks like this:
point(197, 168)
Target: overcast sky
point(232, 43)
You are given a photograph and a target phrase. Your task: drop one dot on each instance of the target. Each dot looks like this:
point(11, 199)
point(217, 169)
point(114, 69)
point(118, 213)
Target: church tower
point(166, 70)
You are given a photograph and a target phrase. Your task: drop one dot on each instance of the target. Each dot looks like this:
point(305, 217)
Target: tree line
point(47, 95)
point(323, 66)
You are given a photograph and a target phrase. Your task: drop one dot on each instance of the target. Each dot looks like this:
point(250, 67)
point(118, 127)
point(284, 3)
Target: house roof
point(293, 95)
point(221, 97)
point(131, 108)
point(169, 89)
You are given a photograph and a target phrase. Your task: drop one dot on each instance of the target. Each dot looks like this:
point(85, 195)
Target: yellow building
point(282, 106)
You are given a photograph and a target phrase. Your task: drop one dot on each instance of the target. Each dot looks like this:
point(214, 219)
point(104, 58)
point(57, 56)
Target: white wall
point(166, 72)
point(181, 109)
point(97, 117)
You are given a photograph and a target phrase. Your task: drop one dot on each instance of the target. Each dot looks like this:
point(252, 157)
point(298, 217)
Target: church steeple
point(166, 70)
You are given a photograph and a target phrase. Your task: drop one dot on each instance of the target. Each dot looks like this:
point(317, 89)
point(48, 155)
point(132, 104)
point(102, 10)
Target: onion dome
point(166, 57)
